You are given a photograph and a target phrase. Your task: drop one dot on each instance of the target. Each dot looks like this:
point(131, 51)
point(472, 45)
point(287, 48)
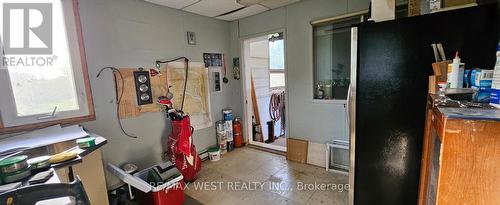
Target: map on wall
point(197, 100)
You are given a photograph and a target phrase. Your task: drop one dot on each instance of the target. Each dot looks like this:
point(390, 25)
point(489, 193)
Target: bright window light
point(42, 77)
point(277, 80)
point(39, 90)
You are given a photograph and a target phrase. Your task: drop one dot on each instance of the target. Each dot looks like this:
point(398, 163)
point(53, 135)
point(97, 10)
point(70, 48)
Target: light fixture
point(142, 87)
point(248, 2)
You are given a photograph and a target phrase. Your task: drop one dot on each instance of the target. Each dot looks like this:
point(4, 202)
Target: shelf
point(332, 101)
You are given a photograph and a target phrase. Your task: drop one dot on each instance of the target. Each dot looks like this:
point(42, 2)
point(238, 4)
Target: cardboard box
point(296, 150)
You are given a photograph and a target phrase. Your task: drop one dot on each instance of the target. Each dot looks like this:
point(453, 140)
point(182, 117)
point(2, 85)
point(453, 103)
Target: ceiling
point(227, 10)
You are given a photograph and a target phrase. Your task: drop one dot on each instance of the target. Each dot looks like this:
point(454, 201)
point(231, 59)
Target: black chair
point(30, 195)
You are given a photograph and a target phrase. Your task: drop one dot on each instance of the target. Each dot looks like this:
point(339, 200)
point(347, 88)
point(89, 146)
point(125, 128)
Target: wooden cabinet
point(460, 159)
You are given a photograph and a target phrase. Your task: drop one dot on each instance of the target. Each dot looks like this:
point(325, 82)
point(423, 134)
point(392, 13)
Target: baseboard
point(267, 150)
point(316, 153)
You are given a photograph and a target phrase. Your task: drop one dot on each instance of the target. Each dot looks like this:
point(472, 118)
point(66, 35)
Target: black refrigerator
point(390, 65)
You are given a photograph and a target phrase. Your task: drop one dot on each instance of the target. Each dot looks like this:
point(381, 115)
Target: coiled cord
point(277, 108)
point(118, 97)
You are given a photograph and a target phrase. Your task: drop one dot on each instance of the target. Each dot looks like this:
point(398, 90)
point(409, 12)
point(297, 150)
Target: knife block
point(440, 75)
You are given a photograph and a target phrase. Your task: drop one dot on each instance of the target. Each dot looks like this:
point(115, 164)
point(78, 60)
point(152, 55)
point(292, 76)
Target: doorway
point(264, 88)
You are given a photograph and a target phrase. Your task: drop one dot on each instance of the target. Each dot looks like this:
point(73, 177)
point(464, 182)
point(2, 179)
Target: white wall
point(133, 33)
point(315, 122)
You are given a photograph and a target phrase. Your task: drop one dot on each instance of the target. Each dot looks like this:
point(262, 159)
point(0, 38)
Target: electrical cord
point(186, 64)
point(118, 97)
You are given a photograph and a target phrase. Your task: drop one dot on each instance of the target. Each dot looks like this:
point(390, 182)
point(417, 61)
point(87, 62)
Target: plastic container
point(229, 130)
point(495, 91)
point(170, 192)
point(221, 133)
point(227, 114)
point(15, 176)
point(482, 85)
point(86, 142)
point(39, 163)
point(13, 164)
point(214, 154)
point(455, 77)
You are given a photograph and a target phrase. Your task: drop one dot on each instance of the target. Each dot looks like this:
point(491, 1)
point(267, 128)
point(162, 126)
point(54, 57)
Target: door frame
point(246, 102)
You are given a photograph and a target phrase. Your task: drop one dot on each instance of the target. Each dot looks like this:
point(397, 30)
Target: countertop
point(472, 113)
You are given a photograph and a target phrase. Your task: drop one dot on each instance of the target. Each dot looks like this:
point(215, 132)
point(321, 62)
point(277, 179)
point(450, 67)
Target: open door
point(264, 77)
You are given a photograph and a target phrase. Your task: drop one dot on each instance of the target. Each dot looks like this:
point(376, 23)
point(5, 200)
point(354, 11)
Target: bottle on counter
point(456, 73)
point(495, 87)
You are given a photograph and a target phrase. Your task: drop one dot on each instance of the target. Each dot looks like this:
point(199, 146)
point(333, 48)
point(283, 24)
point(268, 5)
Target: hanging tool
point(277, 109)
point(225, 79)
point(186, 64)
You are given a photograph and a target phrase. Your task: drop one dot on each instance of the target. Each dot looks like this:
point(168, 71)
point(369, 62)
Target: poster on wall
point(197, 99)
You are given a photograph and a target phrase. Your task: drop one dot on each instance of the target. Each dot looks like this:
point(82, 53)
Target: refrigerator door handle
point(347, 110)
point(351, 112)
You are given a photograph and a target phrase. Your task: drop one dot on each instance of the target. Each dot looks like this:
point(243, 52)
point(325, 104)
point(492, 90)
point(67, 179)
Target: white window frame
point(271, 71)
point(10, 121)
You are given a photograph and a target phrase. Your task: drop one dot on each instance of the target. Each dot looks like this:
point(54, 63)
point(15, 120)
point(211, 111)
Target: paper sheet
point(42, 137)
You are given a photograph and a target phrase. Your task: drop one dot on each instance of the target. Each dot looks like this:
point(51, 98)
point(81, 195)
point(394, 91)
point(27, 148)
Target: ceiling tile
point(273, 4)
point(213, 8)
point(248, 11)
point(176, 4)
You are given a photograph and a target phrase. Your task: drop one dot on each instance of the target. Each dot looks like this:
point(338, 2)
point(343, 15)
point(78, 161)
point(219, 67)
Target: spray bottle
point(495, 87)
point(456, 73)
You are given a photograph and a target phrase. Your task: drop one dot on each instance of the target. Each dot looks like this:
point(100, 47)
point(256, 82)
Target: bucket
point(227, 114)
point(214, 154)
point(229, 130)
point(223, 146)
point(221, 135)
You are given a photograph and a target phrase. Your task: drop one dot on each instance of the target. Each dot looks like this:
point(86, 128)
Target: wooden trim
point(267, 150)
point(88, 90)
point(83, 58)
point(68, 121)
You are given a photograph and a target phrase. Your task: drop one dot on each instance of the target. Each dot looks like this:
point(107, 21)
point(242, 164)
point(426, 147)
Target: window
point(332, 57)
point(43, 74)
point(276, 61)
